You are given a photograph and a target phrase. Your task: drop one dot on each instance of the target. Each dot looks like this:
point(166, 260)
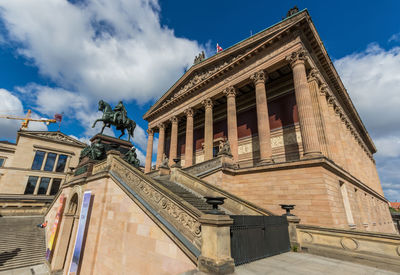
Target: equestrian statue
point(117, 117)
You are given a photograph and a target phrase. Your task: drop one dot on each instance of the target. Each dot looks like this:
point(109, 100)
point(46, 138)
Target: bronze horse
point(108, 120)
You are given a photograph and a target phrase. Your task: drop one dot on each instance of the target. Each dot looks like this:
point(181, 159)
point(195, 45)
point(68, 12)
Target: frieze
point(100, 167)
point(280, 47)
point(171, 210)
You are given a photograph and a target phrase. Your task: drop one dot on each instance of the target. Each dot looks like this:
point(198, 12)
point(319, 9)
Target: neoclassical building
point(294, 133)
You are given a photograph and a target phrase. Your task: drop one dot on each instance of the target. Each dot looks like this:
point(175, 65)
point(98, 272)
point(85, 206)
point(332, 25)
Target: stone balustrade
point(370, 248)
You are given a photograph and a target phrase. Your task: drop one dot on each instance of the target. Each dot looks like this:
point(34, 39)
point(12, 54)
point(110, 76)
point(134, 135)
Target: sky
point(59, 56)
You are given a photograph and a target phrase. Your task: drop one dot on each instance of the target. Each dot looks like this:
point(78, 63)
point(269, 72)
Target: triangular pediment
point(218, 63)
point(53, 136)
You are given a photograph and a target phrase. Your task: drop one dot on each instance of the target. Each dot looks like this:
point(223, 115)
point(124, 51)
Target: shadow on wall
point(5, 256)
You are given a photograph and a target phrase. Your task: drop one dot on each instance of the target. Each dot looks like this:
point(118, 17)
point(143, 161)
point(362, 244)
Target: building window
point(38, 160)
point(62, 161)
point(2, 160)
point(55, 186)
point(51, 159)
point(30, 186)
point(44, 184)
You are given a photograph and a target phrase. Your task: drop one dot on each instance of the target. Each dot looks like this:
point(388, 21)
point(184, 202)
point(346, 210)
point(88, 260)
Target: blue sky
point(60, 56)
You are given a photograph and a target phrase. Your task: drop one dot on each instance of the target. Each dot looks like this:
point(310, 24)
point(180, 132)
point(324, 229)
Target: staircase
point(195, 200)
point(22, 243)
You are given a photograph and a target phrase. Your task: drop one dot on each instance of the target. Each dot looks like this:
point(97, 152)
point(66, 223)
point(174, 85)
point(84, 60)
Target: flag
point(219, 49)
point(58, 117)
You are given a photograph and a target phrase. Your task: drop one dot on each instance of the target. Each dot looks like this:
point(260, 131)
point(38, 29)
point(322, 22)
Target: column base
point(265, 162)
point(208, 265)
point(312, 155)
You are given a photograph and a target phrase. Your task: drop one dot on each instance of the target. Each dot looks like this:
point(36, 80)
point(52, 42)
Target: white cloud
point(372, 79)
point(10, 105)
point(395, 38)
point(114, 49)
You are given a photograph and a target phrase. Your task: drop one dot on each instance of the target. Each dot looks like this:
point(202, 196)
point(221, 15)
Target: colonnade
point(311, 146)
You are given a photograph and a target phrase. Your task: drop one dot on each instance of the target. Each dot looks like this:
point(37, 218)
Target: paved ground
point(30, 270)
point(302, 264)
point(307, 264)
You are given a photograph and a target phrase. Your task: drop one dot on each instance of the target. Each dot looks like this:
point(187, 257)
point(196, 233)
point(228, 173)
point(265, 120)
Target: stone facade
point(278, 100)
point(121, 238)
point(18, 161)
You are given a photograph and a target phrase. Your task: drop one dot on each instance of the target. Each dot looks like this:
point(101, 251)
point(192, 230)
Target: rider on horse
point(120, 114)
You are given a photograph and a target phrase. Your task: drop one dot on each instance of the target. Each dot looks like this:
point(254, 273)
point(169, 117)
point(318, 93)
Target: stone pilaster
point(173, 149)
point(230, 94)
point(160, 147)
point(311, 146)
point(264, 135)
point(189, 112)
point(314, 79)
point(208, 129)
point(149, 151)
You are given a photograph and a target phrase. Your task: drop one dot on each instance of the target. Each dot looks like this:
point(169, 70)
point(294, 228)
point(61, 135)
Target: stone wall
point(316, 192)
point(121, 238)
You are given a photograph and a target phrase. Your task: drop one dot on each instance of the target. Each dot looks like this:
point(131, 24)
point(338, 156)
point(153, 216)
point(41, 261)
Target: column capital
point(174, 119)
point(230, 91)
point(314, 75)
point(323, 89)
point(150, 131)
point(189, 112)
point(161, 126)
point(207, 103)
point(258, 77)
point(297, 57)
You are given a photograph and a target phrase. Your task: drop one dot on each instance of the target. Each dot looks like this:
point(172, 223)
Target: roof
point(216, 67)
point(54, 136)
point(395, 205)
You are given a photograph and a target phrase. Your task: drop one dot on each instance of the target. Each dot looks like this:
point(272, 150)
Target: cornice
point(228, 59)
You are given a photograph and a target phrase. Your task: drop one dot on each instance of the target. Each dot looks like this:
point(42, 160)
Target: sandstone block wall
point(122, 239)
point(315, 191)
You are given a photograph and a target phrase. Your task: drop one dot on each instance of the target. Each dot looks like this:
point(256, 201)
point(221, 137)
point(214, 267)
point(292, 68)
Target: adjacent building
point(37, 164)
point(293, 131)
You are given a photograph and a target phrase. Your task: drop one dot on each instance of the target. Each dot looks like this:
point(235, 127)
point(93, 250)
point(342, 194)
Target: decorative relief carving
point(199, 77)
point(297, 56)
point(286, 139)
point(161, 126)
point(349, 243)
point(258, 77)
point(189, 112)
point(307, 237)
point(160, 202)
point(204, 166)
point(174, 119)
point(230, 92)
point(57, 137)
point(150, 132)
point(207, 103)
point(100, 167)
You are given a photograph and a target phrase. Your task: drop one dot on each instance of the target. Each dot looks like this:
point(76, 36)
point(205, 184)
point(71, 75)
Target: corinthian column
point(173, 149)
point(149, 151)
point(311, 147)
point(160, 147)
point(189, 137)
point(208, 129)
point(230, 94)
point(264, 135)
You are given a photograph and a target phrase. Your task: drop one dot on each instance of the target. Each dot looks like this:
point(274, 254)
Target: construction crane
point(27, 119)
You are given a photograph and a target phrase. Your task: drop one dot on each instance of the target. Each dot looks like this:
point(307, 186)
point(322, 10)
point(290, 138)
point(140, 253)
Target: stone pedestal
point(108, 145)
point(293, 221)
point(215, 255)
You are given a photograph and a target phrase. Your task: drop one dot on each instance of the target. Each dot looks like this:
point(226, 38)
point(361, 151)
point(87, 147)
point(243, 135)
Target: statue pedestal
point(112, 143)
point(85, 166)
